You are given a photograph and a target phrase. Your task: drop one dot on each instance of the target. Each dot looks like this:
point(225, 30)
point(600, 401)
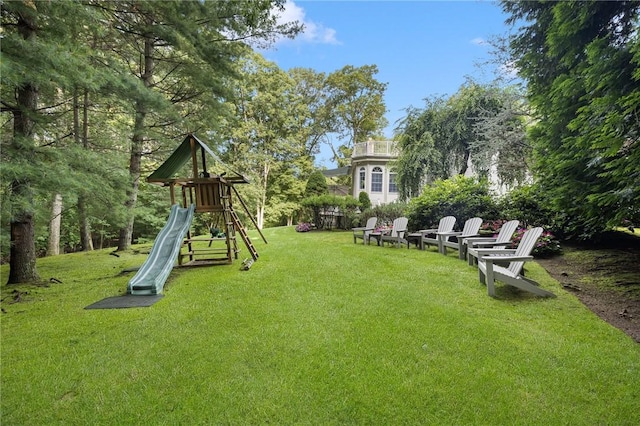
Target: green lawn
point(319, 331)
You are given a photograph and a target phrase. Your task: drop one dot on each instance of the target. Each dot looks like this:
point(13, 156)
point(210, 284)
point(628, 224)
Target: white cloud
point(479, 41)
point(313, 32)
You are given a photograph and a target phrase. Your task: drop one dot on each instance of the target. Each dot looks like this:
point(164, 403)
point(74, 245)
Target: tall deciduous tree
point(501, 144)
point(356, 100)
point(581, 64)
point(318, 121)
point(265, 139)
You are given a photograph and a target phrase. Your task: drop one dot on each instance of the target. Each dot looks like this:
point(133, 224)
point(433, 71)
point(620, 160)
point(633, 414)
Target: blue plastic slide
point(152, 275)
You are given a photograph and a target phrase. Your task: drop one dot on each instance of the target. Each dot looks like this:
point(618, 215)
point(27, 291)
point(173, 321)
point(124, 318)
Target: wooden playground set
point(211, 194)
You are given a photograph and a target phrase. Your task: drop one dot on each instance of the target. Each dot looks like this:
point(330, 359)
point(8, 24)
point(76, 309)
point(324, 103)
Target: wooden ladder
point(243, 233)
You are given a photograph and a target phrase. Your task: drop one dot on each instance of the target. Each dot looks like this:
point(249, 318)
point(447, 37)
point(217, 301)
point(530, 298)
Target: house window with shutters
point(376, 179)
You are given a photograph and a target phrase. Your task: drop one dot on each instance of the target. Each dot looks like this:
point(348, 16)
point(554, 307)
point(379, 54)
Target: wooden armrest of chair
point(481, 246)
point(498, 252)
point(476, 240)
point(362, 228)
point(509, 258)
point(450, 234)
point(428, 231)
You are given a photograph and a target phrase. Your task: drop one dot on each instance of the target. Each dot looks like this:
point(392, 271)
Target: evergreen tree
point(581, 64)
point(40, 56)
point(316, 185)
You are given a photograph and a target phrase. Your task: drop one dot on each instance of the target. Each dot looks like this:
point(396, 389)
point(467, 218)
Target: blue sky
point(422, 48)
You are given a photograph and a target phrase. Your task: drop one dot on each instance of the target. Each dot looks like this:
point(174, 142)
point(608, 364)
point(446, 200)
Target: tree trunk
point(260, 216)
point(262, 201)
point(53, 248)
point(85, 229)
point(126, 233)
point(465, 162)
point(22, 264)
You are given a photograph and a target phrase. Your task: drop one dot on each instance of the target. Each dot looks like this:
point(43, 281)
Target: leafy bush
point(546, 246)
point(316, 185)
point(527, 204)
point(459, 196)
point(492, 225)
point(387, 213)
point(304, 227)
point(365, 201)
point(531, 207)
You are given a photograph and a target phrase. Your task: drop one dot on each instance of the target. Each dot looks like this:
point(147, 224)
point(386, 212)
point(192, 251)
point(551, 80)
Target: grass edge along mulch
point(318, 331)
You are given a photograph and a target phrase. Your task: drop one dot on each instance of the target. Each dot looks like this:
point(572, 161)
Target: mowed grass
point(319, 331)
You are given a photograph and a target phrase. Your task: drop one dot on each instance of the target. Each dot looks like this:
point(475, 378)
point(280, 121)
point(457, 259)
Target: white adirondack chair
point(430, 236)
point(397, 234)
point(470, 229)
point(488, 245)
point(363, 232)
point(489, 272)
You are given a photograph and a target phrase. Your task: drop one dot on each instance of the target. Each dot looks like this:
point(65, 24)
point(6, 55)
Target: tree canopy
point(479, 126)
point(580, 61)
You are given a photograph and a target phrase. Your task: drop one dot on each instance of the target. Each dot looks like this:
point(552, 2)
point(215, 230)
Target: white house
point(371, 172)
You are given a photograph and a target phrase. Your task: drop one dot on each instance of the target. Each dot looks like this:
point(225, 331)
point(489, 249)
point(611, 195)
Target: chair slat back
point(471, 227)
point(525, 247)
point(506, 231)
point(446, 224)
point(371, 222)
point(399, 227)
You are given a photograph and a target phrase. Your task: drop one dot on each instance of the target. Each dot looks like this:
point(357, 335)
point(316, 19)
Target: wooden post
point(194, 156)
point(172, 191)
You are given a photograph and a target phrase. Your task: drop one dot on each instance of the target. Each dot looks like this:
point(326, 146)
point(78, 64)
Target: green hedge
point(459, 196)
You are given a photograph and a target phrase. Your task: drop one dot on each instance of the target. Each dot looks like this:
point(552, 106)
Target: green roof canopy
point(183, 153)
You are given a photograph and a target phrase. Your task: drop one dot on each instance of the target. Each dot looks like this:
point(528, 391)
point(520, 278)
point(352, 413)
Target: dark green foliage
point(316, 185)
point(459, 196)
point(581, 63)
point(546, 246)
point(365, 201)
point(436, 142)
point(532, 207)
point(356, 102)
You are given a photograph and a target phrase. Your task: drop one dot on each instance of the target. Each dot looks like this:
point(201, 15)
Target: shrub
point(459, 196)
point(316, 185)
point(492, 226)
point(387, 213)
point(529, 205)
point(304, 227)
point(546, 246)
point(365, 201)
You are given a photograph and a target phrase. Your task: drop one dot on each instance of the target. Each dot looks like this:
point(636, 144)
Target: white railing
point(375, 148)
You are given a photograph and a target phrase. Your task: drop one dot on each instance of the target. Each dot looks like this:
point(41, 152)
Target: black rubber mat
point(127, 301)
